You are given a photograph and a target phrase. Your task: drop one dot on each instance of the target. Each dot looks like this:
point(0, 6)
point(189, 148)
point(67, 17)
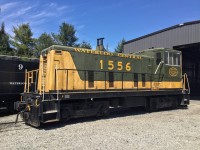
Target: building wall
point(179, 35)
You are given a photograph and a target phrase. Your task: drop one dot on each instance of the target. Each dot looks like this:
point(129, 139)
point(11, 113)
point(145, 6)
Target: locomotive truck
point(76, 82)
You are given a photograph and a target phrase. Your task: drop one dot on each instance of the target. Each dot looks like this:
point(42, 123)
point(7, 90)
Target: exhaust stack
point(100, 46)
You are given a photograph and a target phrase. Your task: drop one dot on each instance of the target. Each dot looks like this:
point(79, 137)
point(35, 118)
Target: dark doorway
point(191, 65)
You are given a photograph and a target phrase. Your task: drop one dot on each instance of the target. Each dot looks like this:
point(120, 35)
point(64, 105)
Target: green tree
point(66, 35)
point(22, 40)
point(84, 44)
point(45, 40)
point(4, 41)
point(119, 48)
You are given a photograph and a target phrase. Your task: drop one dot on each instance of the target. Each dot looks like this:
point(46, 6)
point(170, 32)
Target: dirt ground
point(125, 129)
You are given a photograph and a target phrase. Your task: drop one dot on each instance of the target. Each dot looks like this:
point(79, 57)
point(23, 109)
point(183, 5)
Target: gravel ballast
point(128, 129)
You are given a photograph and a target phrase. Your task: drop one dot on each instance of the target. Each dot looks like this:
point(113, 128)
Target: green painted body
point(143, 62)
point(163, 69)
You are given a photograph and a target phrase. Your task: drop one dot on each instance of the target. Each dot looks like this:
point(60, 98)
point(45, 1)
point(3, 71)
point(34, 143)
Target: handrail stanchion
point(67, 79)
point(57, 81)
point(184, 81)
point(36, 78)
point(25, 84)
point(105, 80)
point(42, 81)
point(188, 84)
point(151, 80)
point(85, 80)
point(122, 81)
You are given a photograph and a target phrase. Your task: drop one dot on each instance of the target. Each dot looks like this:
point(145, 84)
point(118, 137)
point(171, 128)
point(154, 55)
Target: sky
point(92, 19)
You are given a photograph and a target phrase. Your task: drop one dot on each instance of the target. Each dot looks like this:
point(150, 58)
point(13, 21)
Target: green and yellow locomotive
point(75, 82)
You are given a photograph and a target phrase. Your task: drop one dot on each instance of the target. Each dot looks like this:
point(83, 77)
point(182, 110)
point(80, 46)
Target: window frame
point(177, 63)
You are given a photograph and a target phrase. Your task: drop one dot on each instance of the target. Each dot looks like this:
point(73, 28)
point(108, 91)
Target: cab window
point(171, 58)
point(166, 58)
point(176, 59)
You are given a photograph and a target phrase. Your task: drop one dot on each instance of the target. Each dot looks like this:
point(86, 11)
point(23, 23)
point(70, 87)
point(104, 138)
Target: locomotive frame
point(73, 82)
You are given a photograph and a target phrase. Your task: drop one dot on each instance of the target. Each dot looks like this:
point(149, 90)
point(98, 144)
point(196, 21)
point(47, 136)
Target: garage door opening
point(191, 65)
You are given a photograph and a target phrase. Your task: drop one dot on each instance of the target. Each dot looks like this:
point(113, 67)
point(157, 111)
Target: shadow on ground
point(114, 113)
point(3, 114)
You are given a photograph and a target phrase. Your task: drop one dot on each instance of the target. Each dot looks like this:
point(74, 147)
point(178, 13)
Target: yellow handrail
point(186, 81)
point(29, 79)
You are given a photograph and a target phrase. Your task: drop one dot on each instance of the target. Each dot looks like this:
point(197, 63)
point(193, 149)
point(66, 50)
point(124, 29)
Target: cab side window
point(166, 57)
point(176, 59)
point(171, 58)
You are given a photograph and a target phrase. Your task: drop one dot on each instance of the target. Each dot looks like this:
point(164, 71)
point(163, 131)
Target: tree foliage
point(66, 35)
point(22, 40)
point(45, 40)
point(119, 48)
point(23, 43)
point(84, 44)
point(4, 41)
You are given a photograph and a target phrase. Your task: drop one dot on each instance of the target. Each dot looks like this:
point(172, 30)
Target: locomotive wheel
point(103, 111)
point(10, 107)
point(65, 116)
point(151, 106)
point(175, 104)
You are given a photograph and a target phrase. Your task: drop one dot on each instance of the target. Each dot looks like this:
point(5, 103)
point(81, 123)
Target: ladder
point(44, 72)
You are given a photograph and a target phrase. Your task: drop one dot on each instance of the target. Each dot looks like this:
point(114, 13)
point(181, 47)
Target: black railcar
point(12, 70)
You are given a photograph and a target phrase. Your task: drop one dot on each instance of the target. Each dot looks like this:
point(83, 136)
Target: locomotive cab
point(167, 66)
point(168, 63)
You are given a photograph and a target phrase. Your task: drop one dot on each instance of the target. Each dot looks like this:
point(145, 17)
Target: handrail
point(111, 71)
point(185, 79)
point(150, 77)
point(158, 66)
point(56, 69)
point(29, 79)
point(43, 81)
point(25, 85)
point(36, 80)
